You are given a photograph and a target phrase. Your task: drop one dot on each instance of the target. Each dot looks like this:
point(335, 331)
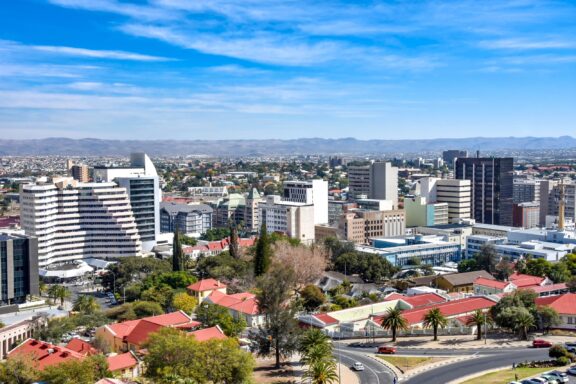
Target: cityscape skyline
point(209, 70)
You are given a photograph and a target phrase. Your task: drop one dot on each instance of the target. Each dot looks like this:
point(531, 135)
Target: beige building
point(79, 172)
point(378, 180)
point(359, 225)
point(296, 220)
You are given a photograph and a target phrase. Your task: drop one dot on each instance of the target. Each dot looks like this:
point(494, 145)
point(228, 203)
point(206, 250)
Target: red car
point(387, 350)
point(539, 343)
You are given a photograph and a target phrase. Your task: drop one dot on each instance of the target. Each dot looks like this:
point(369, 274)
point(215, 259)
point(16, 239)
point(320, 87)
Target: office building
point(455, 193)
point(313, 192)
point(18, 268)
point(526, 191)
point(451, 155)
point(189, 219)
point(79, 172)
point(337, 208)
point(378, 180)
point(421, 213)
point(293, 219)
point(537, 249)
point(550, 200)
point(492, 188)
point(251, 214)
point(73, 220)
point(360, 225)
point(526, 215)
point(141, 182)
point(230, 209)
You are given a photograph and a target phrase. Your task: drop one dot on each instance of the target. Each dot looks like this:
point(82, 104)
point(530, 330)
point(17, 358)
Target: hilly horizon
point(249, 147)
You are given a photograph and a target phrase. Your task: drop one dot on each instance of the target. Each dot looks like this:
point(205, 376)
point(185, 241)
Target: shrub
point(562, 361)
point(557, 351)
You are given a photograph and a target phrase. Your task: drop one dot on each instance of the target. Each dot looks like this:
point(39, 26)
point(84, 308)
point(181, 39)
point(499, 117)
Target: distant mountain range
point(350, 146)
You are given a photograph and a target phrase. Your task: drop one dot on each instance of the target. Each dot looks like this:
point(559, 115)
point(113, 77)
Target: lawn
point(506, 375)
point(405, 363)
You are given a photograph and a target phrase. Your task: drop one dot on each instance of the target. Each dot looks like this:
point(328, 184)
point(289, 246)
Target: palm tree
point(311, 338)
point(86, 304)
point(394, 321)
point(523, 322)
point(434, 319)
point(316, 353)
point(59, 292)
point(479, 319)
point(322, 372)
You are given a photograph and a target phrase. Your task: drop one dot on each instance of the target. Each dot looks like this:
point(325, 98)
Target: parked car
point(358, 366)
point(539, 343)
point(386, 349)
point(572, 370)
point(550, 379)
point(561, 377)
point(514, 382)
point(570, 347)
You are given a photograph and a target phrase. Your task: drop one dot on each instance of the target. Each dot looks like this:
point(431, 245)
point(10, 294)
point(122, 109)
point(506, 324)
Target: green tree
point(311, 338)
point(146, 308)
point(175, 357)
point(547, 317)
point(559, 273)
point(487, 258)
point(86, 371)
point(263, 253)
point(224, 267)
point(394, 321)
point(234, 245)
point(59, 292)
point(210, 315)
point(177, 253)
point(312, 297)
point(435, 319)
point(86, 304)
point(161, 294)
point(19, 369)
point(538, 267)
point(130, 270)
point(322, 372)
point(523, 322)
point(182, 301)
point(279, 335)
point(479, 320)
point(214, 234)
point(557, 351)
point(468, 265)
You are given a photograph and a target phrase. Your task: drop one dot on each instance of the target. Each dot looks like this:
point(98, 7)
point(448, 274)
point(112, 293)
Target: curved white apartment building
point(75, 220)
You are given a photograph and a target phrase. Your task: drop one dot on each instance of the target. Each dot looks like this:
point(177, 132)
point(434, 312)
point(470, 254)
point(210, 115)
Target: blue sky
point(218, 69)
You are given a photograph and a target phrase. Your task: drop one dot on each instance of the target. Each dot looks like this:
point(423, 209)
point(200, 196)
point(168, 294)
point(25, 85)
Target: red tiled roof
point(45, 354)
point(326, 318)
point(123, 329)
point(550, 288)
point(206, 285)
point(449, 309)
point(172, 318)
point(122, 361)
point(82, 347)
point(423, 299)
point(563, 304)
point(524, 281)
point(190, 325)
point(212, 333)
point(141, 331)
point(241, 302)
point(491, 283)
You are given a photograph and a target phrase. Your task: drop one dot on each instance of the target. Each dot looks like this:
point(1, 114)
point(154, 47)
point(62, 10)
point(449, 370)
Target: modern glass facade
point(18, 268)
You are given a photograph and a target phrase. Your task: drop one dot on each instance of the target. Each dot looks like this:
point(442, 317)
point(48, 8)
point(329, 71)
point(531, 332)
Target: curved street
point(378, 373)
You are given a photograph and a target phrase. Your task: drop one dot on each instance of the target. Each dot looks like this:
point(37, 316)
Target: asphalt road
point(374, 372)
point(488, 359)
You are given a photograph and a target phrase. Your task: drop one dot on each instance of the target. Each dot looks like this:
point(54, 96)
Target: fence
point(368, 333)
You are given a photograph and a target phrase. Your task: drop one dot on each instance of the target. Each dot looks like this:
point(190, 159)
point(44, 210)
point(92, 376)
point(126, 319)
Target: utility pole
point(485, 328)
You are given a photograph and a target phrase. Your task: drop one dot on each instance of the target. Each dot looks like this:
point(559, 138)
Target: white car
point(561, 377)
point(358, 366)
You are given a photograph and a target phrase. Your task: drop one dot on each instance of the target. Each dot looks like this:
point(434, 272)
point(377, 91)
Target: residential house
point(565, 305)
point(529, 281)
point(460, 282)
point(484, 286)
point(240, 305)
point(45, 354)
point(82, 347)
point(130, 335)
point(204, 288)
point(212, 333)
point(126, 365)
point(333, 279)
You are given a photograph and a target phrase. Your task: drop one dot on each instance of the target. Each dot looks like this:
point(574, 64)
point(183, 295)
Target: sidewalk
point(459, 342)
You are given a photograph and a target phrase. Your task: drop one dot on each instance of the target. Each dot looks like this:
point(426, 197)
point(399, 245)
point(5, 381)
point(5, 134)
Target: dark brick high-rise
point(492, 188)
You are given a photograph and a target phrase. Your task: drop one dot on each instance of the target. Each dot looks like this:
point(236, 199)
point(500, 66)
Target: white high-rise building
point(313, 192)
point(456, 193)
point(293, 219)
point(74, 220)
point(142, 184)
point(378, 180)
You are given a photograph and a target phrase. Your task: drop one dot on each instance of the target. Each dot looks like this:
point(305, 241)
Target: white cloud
point(127, 9)
point(525, 44)
point(97, 54)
